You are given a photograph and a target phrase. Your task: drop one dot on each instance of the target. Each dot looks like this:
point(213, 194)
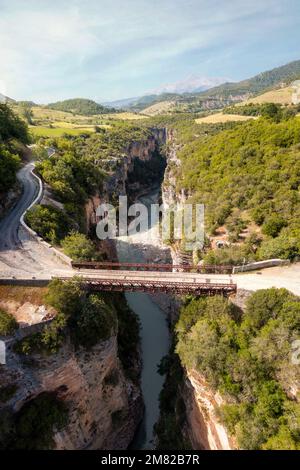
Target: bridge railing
point(204, 269)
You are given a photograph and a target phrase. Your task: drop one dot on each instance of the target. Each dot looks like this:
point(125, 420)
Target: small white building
point(296, 92)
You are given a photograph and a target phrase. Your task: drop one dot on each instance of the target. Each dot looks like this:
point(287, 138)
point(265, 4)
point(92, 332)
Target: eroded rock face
point(204, 429)
point(104, 406)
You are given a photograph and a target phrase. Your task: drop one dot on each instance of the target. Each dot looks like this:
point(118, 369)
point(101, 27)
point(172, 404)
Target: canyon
point(105, 406)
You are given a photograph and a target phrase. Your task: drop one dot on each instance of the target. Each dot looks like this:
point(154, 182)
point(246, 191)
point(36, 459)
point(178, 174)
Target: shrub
point(79, 247)
point(8, 323)
point(265, 304)
point(273, 225)
point(94, 322)
point(49, 222)
point(285, 246)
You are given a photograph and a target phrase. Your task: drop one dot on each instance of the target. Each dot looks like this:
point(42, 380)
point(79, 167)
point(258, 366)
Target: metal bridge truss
point(132, 285)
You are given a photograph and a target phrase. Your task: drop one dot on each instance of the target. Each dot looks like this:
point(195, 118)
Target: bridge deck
point(167, 286)
point(145, 281)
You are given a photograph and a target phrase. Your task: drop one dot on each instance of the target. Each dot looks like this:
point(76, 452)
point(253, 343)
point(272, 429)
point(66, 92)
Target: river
point(154, 332)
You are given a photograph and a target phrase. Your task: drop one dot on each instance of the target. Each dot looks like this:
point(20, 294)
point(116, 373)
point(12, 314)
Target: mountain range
point(229, 91)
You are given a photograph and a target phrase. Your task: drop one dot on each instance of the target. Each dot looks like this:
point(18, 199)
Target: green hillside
point(259, 83)
point(248, 177)
point(81, 106)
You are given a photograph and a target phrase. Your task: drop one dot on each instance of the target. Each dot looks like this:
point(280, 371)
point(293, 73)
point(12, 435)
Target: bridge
point(145, 277)
point(133, 281)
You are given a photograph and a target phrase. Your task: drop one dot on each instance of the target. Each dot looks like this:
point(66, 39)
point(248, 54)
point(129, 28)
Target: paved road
point(20, 254)
point(9, 226)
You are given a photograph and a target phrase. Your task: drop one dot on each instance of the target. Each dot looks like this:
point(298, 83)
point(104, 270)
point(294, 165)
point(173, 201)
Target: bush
point(233, 255)
point(285, 246)
point(273, 225)
point(49, 222)
point(265, 304)
point(78, 247)
point(94, 322)
point(8, 323)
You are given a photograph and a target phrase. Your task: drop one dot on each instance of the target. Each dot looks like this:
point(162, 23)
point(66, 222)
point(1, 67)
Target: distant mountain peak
point(192, 83)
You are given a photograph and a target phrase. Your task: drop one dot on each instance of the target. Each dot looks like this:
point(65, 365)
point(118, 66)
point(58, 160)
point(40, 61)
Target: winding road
point(20, 254)
point(9, 226)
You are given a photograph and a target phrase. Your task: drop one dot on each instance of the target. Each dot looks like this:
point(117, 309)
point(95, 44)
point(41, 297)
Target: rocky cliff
point(203, 428)
point(139, 166)
point(104, 406)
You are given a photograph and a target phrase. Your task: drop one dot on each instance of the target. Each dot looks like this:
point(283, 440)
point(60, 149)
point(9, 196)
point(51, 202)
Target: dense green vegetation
point(33, 426)
point(11, 126)
point(78, 247)
point(247, 173)
point(13, 132)
point(270, 110)
point(247, 357)
point(49, 222)
point(8, 323)
point(80, 106)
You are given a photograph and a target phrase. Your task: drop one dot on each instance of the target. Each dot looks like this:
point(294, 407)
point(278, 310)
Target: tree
point(263, 305)
point(8, 323)
point(26, 112)
point(273, 225)
point(95, 322)
point(49, 222)
point(9, 165)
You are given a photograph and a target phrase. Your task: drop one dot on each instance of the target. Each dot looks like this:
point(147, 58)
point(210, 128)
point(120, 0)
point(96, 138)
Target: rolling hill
point(80, 106)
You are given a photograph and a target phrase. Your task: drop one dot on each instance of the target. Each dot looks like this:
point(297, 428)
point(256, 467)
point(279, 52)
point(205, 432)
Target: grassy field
point(41, 131)
point(281, 96)
point(52, 123)
point(220, 117)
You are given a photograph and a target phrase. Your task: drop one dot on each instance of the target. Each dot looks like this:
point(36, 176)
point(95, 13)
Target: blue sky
point(112, 49)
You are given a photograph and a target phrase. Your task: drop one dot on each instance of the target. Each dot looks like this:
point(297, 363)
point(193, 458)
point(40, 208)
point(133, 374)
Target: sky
point(112, 49)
